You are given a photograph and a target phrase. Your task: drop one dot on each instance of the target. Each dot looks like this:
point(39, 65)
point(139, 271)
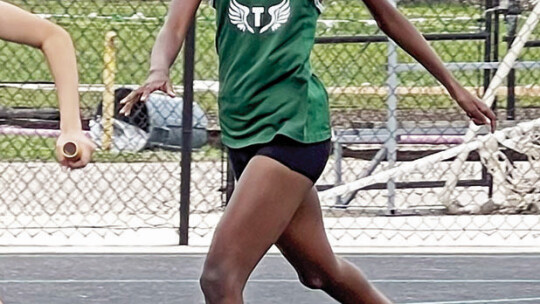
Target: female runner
point(275, 121)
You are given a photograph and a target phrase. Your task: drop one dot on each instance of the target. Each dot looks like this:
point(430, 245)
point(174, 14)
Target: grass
point(336, 65)
point(136, 37)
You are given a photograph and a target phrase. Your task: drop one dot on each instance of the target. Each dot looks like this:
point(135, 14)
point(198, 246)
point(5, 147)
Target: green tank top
point(266, 83)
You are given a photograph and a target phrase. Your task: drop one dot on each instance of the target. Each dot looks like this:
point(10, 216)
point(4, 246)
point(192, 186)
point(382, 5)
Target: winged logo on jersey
point(238, 15)
point(280, 14)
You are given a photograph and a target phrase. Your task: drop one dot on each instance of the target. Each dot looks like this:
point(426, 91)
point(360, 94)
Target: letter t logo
point(258, 11)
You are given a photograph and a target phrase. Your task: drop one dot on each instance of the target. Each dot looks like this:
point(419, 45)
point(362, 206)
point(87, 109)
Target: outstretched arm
point(397, 27)
point(19, 26)
point(166, 49)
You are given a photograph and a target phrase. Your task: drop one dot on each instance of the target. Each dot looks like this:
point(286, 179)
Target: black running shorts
point(306, 159)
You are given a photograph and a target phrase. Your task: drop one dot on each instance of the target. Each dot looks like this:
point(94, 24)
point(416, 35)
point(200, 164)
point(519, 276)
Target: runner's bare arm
point(397, 27)
point(166, 49)
point(19, 26)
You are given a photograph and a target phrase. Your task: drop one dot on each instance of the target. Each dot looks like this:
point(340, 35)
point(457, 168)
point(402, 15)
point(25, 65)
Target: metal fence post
point(392, 123)
point(187, 133)
point(489, 53)
point(338, 155)
point(512, 18)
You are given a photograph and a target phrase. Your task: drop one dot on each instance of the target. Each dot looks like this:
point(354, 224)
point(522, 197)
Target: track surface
point(173, 278)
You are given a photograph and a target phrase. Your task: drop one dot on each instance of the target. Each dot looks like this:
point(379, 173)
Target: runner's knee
point(312, 280)
point(218, 282)
point(320, 276)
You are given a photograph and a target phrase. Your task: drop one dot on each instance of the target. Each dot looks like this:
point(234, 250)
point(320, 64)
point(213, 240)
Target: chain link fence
point(386, 110)
point(395, 112)
point(131, 193)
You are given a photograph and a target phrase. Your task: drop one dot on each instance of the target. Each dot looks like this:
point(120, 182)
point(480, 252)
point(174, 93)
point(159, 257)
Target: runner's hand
point(477, 111)
point(157, 81)
point(85, 145)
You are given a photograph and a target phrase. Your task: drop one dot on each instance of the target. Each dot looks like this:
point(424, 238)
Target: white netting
point(524, 138)
point(503, 71)
point(517, 184)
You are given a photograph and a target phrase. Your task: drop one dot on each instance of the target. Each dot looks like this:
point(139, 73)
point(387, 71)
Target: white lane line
point(202, 255)
point(509, 300)
point(99, 255)
point(428, 281)
point(443, 256)
point(77, 281)
point(94, 281)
